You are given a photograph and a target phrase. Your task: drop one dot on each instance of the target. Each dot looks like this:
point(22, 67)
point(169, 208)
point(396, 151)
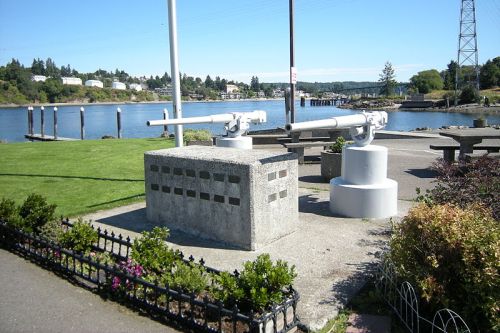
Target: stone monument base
point(244, 198)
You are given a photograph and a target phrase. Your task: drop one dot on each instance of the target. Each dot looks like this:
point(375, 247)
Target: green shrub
point(469, 94)
point(80, 237)
point(197, 135)
point(452, 256)
point(36, 212)
point(260, 284)
point(151, 251)
point(9, 212)
point(187, 277)
point(52, 230)
point(338, 145)
point(226, 289)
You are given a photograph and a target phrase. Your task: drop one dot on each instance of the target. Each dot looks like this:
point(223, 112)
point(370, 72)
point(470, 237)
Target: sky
point(335, 40)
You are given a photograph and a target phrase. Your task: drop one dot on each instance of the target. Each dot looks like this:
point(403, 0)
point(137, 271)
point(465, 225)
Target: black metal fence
point(403, 301)
point(192, 311)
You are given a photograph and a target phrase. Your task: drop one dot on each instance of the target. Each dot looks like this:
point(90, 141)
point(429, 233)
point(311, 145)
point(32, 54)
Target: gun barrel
point(255, 117)
point(335, 122)
point(218, 118)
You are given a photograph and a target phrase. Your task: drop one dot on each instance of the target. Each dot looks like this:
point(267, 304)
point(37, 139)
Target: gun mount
point(363, 190)
point(361, 126)
point(235, 125)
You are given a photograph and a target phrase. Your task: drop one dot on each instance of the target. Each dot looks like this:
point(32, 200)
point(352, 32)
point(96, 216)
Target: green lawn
point(78, 176)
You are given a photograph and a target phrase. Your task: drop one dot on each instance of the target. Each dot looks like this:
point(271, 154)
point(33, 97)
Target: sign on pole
point(293, 75)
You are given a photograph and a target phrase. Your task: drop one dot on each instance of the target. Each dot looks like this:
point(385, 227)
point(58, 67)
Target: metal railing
point(403, 301)
point(199, 312)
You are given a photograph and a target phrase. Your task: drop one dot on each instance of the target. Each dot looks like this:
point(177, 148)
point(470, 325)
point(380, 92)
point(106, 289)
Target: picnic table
point(469, 137)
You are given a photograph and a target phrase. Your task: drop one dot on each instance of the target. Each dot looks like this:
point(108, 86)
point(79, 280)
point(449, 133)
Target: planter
point(480, 123)
point(331, 164)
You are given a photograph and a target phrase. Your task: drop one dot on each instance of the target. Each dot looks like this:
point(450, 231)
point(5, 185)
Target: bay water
point(100, 120)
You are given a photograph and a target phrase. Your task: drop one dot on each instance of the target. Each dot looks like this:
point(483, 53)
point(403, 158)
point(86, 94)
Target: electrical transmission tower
point(467, 47)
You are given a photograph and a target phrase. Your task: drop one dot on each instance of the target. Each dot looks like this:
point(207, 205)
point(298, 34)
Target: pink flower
point(116, 283)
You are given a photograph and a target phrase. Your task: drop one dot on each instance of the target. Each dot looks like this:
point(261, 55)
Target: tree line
point(17, 86)
point(429, 80)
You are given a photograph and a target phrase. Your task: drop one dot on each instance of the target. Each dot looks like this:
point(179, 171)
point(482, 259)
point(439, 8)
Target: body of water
point(101, 119)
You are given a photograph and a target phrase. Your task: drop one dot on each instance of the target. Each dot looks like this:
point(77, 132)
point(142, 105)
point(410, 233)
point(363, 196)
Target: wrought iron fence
point(403, 300)
point(199, 312)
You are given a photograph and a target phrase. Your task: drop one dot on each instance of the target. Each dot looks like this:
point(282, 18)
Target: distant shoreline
point(6, 106)
point(466, 109)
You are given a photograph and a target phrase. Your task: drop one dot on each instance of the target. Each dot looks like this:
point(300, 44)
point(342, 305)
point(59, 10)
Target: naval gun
point(363, 189)
point(235, 124)
point(361, 126)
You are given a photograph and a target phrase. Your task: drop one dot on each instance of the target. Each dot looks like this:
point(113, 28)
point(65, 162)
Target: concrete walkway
point(36, 300)
point(333, 256)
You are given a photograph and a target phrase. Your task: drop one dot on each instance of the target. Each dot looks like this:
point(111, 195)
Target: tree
point(489, 76)
point(449, 76)
point(469, 94)
point(254, 84)
point(209, 83)
point(387, 78)
point(426, 81)
point(38, 67)
point(51, 68)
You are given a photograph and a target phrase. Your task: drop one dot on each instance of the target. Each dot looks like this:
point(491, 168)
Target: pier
point(39, 137)
point(328, 101)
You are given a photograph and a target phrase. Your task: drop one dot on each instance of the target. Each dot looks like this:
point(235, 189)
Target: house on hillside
point(74, 81)
point(135, 86)
point(38, 78)
point(119, 85)
point(231, 88)
point(94, 83)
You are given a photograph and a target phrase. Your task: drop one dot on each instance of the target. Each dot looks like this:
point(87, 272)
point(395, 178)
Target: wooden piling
point(55, 122)
point(165, 117)
point(82, 123)
point(302, 101)
point(42, 121)
point(119, 122)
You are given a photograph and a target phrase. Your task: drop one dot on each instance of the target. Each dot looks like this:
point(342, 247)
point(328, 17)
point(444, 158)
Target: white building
point(135, 86)
point(94, 83)
point(38, 78)
point(231, 88)
point(75, 81)
point(119, 85)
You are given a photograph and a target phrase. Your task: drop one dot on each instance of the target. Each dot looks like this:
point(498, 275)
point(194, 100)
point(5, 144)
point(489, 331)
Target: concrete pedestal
point(363, 190)
point(244, 198)
point(242, 142)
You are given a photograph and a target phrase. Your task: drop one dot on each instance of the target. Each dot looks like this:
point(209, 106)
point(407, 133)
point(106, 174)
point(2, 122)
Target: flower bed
point(110, 268)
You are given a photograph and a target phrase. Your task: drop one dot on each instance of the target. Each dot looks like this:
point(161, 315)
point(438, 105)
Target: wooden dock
point(39, 137)
point(328, 101)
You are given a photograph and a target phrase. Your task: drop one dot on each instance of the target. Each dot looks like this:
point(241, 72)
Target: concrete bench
point(307, 139)
point(299, 147)
point(449, 150)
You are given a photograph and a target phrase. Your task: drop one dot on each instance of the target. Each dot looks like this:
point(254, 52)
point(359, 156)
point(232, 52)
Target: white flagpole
point(174, 68)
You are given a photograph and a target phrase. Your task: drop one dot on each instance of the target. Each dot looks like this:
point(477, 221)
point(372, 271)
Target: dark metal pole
point(82, 123)
point(32, 123)
point(165, 117)
point(55, 123)
point(119, 122)
point(30, 120)
point(292, 65)
point(42, 121)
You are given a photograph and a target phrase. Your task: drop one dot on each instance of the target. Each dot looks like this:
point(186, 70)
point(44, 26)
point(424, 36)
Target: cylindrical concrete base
point(364, 201)
point(364, 165)
point(242, 142)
